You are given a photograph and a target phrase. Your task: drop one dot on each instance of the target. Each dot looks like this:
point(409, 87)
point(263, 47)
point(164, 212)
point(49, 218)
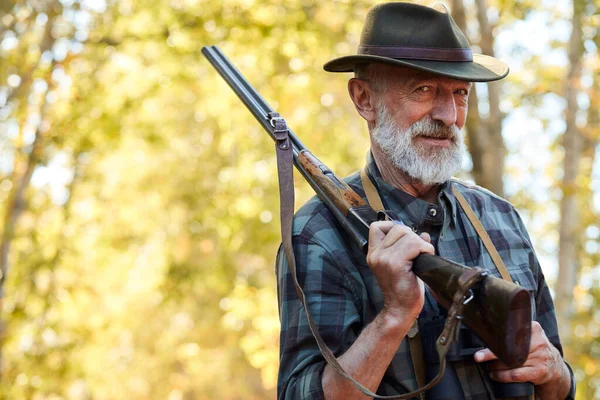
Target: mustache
point(430, 128)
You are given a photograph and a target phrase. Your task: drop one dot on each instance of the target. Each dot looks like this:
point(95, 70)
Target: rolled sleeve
point(332, 308)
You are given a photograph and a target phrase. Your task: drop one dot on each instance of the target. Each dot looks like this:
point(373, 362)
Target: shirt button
point(432, 212)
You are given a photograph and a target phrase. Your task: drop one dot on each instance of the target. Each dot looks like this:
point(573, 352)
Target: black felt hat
point(420, 37)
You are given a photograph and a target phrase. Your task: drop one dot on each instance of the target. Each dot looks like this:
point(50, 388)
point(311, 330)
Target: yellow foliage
point(148, 273)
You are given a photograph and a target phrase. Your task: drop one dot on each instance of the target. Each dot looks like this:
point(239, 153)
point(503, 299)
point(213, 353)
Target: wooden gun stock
point(342, 195)
point(499, 312)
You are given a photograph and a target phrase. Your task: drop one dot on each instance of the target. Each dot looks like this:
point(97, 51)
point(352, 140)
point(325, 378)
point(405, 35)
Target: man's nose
point(444, 108)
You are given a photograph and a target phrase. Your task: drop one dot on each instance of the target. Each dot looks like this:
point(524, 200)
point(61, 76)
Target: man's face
point(418, 123)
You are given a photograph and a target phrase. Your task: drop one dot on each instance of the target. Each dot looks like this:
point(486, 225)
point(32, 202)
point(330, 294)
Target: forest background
point(139, 197)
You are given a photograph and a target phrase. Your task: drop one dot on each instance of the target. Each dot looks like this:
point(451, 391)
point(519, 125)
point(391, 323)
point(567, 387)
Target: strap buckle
point(280, 130)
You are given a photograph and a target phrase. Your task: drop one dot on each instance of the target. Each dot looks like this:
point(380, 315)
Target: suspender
point(414, 339)
point(483, 235)
point(374, 201)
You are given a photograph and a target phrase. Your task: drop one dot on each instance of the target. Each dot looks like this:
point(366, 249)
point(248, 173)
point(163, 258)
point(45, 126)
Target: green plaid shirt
point(344, 297)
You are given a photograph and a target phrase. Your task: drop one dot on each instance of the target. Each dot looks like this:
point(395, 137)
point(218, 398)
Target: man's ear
point(363, 98)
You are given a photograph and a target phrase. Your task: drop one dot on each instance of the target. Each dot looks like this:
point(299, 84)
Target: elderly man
point(412, 79)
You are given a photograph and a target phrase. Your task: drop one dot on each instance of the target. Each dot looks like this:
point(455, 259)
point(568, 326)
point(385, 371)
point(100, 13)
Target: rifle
point(497, 311)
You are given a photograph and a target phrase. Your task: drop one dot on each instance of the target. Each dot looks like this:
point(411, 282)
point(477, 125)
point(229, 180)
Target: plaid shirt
point(343, 295)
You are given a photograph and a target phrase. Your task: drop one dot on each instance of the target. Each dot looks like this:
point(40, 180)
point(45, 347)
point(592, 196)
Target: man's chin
point(430, 171)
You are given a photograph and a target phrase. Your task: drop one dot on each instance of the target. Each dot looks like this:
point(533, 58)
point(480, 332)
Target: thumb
point(485, 355)
point(426, 237)
point(377, 232)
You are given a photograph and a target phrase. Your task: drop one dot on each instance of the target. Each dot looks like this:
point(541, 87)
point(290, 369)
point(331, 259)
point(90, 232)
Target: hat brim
point(481, 69)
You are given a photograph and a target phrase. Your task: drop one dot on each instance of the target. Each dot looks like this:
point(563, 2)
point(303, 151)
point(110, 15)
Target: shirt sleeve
point(331, 305)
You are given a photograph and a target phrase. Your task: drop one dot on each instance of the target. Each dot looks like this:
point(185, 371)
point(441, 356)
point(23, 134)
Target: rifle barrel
point(257, 105)
point(260, 109)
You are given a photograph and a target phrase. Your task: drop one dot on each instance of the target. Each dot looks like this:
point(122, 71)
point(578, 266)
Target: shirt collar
point(387, 191)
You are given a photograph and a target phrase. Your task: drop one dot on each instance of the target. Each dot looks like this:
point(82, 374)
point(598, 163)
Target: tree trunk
point(22, 172)
point(484, 136)
point(569, 217)
point(24, 166)
point(495, 151)
point(475, 131)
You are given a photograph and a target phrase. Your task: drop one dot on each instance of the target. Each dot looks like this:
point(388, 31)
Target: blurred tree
point(570, 221)
point(484, 135)
point(25, 108)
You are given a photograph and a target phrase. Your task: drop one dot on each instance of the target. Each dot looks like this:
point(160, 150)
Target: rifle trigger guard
point(280, 130)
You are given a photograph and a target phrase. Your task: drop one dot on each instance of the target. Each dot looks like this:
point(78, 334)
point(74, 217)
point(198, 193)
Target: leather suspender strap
point(485, 238)
point(413, 337)
point(285, 159)
point(416, 356)
point(467, 280)
point(372, 195)
point(375, 202)
point(483, 235)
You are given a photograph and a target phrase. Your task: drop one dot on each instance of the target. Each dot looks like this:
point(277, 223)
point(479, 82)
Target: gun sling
point(413, 337)
point(286, 192)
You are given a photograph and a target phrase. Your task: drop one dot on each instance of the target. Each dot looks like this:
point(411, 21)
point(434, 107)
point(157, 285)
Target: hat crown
point(419, 37)
point(411, 25)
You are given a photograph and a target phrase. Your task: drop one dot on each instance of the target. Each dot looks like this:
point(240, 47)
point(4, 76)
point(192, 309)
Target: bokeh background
point(139, 198)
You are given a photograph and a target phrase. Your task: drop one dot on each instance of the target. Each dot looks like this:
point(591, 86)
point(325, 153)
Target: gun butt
point(499, 313)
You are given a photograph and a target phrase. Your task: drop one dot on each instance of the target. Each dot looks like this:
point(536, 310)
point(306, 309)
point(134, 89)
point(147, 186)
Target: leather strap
point(485, 238)
point(413, 336)
point(416, 356)
point(372, 194)
point(483, 235)
point(285, 158)
point(414, 339)
point(375, 202)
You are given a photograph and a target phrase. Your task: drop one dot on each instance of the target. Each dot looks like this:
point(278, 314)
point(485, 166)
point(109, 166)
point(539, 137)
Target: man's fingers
point(377, 232)
point(385, 234)
point(427, 247)
point(485, 355)
point(396, 233)
point(523, 374)
point(497, 365)
point(426, 237)
point(501, 372)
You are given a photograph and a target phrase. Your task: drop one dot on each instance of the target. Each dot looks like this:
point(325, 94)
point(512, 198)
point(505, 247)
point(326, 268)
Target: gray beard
point(425, 164)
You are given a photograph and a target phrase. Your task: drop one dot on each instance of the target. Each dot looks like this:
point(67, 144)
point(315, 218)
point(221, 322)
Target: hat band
point(417, 53)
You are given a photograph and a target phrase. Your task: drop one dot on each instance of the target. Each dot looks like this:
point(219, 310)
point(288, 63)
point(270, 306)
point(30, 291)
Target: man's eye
point(424, 89)
point(463, 92)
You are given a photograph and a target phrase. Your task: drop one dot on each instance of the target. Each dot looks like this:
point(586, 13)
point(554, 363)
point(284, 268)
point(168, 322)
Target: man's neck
point(400, 180)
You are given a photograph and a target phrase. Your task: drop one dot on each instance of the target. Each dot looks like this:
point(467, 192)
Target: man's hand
point(392, 247)
point(544, 367)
